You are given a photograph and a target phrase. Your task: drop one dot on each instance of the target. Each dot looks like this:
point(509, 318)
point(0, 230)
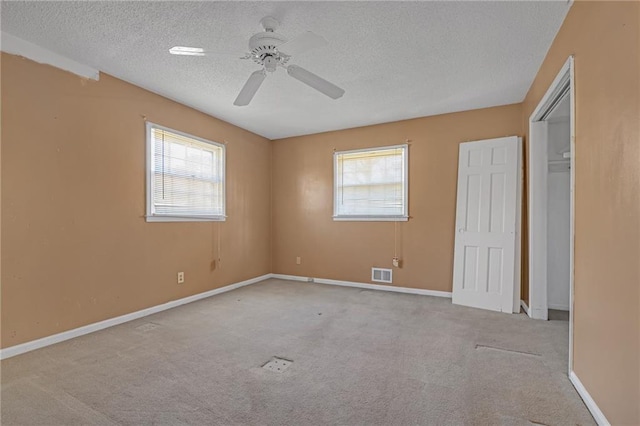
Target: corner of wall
point(271, 233)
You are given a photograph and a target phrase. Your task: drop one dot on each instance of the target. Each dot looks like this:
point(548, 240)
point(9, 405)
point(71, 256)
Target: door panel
point(498, 203)
point(484, 272)
point(472, 210)
point(470, 277)
point(494, 279)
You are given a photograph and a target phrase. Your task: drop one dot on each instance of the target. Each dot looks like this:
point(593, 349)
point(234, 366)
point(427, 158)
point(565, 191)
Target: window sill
point(371, 218)
point(159, 218)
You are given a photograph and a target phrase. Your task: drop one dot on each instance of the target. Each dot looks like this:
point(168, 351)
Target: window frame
point(373, 218)
point(151, 216)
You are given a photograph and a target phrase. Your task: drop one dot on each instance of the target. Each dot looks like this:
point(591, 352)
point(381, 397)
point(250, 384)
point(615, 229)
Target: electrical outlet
point(396, 262)
point(298, 260)
point(180, 277)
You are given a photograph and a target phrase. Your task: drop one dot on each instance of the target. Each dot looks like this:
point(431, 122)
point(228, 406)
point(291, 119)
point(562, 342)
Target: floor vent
point(277, 365)
point(382, 275)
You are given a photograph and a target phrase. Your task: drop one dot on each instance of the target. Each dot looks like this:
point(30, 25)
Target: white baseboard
point(558, 307)
point(525, 307)
point(289, 277)
point(588, 401)
point(365, 285)
point(90, 328)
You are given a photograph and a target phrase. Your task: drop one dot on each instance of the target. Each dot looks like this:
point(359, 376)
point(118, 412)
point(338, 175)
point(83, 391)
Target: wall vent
point(382, 275)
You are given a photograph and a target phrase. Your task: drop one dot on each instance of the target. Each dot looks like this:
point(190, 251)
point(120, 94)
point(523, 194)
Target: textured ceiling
point(396, 60)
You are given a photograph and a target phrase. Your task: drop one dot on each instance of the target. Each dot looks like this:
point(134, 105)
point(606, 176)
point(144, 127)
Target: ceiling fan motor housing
point(263, 48)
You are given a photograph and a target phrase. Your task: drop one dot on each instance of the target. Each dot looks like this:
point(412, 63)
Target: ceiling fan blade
point(250, 88)
point(302, 43)
point(318, 83)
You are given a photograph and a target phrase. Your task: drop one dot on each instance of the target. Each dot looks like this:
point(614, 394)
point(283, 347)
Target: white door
point(484, 266)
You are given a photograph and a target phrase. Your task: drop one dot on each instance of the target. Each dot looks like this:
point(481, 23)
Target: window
point(371, 184)
point(185, 177)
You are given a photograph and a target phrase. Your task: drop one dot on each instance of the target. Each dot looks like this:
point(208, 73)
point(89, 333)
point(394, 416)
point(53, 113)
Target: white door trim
point(538, 191)
point(518, 272)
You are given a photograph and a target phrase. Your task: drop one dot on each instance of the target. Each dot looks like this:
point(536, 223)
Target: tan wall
point(75, 247)
point(605, 39)
point(303, 203)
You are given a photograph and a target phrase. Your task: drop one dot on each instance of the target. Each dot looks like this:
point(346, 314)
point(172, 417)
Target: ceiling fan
point(271, 50)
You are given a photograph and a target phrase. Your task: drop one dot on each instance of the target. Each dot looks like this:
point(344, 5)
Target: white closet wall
point(558, 182)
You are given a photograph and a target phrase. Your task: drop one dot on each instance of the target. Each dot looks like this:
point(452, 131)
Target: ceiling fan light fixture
point(318, 83)
point(270, 63)
point(187, 51)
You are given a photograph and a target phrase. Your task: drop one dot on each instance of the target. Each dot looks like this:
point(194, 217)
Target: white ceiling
point(396, 60)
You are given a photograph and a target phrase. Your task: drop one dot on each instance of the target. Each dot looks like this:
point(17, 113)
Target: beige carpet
point(360, 357)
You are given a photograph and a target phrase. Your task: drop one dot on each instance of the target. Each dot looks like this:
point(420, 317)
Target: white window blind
point(185, 177)
point(371, 184)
